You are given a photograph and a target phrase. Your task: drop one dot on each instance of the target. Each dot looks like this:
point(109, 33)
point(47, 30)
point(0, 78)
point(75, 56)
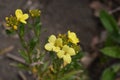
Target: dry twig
point(6, 50)
point(22, 76)
point(16, 58)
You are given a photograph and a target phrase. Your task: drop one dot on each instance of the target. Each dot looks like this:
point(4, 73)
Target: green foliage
point(113, 51)
point(24, 55)
point(10, 32)
point(33, 43)
point(110, 73)
point(113, 39)
point(112, 47)
point(70, 75)
point(22, 29)
point(37, 29)
point(109, 22)
point(110, 25)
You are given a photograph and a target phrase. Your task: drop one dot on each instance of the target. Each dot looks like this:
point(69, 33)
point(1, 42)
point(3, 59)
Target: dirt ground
point(58, 16)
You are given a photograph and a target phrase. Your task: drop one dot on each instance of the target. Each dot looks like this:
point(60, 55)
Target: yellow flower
point(72, 37)
point(66, 54)
point(15, 27)
point(53, 44)
point(20, 16)
point(34, 70)
point(35, 13)
point(11, 22)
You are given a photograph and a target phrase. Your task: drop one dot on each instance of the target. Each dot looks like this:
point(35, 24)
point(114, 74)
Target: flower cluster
point(65, 45)
point(20, 17)
point(13, 21)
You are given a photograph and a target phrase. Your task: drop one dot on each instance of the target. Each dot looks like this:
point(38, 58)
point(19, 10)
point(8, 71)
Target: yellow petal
point(67, 58)
point(52, 39)
point(56, 49)
point(58, 42)
point(25, 16)
point(49, 46)
point(72, 37)
point(65, 48)
point(18, 13)
point(23, 21)
point(20, 16)
point(60, 54)
point(71, 51)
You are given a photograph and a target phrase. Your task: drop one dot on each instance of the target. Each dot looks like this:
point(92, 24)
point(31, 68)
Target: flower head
point(35, 13)
point(20, 16)
point(64, 45)
point(72, 37)
point(11, 22)
point(53, 44)
point(66, 53)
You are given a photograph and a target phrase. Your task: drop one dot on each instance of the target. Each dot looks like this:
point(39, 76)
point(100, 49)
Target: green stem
point(24, 45)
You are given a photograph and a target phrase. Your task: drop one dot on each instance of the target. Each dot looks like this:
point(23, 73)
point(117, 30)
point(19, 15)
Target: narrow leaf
point(109, 22)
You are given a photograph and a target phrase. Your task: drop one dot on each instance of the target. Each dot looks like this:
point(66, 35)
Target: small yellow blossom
point(15, 27)
point(53, 44)
point(34, 70)
point(66, 54)
point(72, 37)
point(20, 16)
point(11, 22)
point(35, 13)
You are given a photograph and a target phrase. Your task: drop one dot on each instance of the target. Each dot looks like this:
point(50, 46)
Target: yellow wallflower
point(20, 16)
point(66, 54)
point(72, 37)
point(53, 44)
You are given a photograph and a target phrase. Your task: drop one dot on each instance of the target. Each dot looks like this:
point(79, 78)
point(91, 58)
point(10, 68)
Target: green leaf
point(33, 43)
point(111, 25)
point(24, 55)
point(37, 20)
point(108, 74)
point(115, 38)
point(109, 22)
point(69, 76)
point(38, 29)
point(111, 51)
point(10, 32)
point(110, 42)
point(22, 66)
point(116, 68)
point(79, 55)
